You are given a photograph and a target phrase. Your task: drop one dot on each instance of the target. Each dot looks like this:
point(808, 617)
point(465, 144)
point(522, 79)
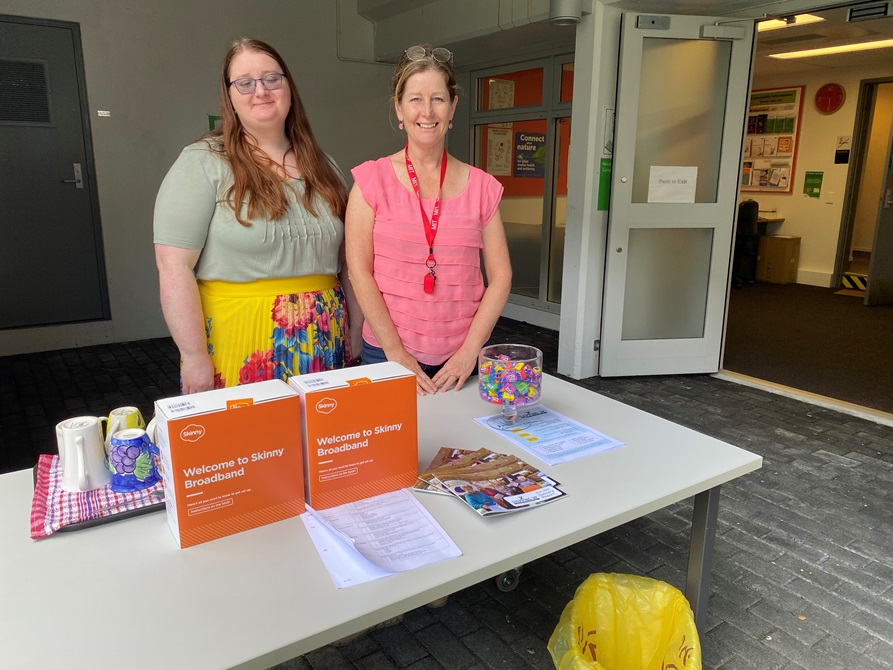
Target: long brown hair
point(254, 180)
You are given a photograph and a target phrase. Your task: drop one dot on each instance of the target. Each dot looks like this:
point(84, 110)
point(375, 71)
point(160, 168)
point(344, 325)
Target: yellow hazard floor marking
point(859, 282)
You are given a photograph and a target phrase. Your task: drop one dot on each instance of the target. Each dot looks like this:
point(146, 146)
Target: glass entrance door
point(682, 91)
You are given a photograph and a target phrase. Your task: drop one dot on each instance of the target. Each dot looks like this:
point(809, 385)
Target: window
point(522, 137)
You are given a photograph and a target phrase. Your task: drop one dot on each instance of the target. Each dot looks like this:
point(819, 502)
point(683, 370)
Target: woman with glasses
point(249, 237)
point(418, 222)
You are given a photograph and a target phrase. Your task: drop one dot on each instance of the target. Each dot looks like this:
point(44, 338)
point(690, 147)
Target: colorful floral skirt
point(274, 328)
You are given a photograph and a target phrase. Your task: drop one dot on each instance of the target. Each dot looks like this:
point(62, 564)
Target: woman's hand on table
point(455, 372)
point(424, 385)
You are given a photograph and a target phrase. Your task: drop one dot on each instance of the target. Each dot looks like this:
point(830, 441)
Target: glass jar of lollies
point(510, 375)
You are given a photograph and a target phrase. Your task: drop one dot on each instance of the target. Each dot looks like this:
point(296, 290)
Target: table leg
point(700, 556)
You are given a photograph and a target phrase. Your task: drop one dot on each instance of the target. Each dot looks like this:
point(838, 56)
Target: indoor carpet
point(808, 338)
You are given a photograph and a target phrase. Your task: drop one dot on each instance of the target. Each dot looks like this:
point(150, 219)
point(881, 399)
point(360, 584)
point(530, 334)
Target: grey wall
point(154, 66)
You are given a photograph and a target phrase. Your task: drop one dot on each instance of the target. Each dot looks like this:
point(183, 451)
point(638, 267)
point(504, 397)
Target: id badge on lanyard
point(429, 224)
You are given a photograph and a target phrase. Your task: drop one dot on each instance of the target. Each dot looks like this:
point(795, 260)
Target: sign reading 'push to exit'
point(672, 183)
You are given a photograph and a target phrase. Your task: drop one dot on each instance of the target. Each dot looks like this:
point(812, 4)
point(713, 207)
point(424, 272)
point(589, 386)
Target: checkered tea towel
point(53, 507)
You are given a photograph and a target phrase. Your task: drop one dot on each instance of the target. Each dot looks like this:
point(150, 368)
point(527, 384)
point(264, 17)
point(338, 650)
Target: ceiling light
point(843, 48)
point(799, 20)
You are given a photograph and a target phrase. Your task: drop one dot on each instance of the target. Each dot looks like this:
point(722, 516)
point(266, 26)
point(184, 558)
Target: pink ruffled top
point(432, 326)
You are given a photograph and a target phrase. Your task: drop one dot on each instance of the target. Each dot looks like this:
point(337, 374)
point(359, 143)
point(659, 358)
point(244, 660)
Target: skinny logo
point(326, 406)
point(192, 433)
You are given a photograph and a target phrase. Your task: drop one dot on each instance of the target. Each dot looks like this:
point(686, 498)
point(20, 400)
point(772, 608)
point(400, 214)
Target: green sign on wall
point(812, 184)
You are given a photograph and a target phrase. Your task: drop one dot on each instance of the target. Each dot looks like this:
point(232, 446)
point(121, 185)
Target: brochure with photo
point(460, 461)
point(443, 456)
point(489, 482)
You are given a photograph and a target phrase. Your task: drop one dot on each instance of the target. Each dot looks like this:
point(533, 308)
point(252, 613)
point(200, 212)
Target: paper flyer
point(550, 436)
point(376, 537)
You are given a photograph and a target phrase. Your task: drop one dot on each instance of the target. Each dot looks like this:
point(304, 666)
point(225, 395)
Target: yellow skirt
point(274, 328)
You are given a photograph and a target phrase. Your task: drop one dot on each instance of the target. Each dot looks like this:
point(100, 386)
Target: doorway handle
point(78, 180)
point(888, 198)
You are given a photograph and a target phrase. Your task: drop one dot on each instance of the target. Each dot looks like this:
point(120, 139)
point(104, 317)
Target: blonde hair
point(254, 180)
point(406, 68)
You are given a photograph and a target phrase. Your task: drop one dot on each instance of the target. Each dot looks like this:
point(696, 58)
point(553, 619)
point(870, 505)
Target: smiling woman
point(425, 217)
point(249, 237)
point(261, 109)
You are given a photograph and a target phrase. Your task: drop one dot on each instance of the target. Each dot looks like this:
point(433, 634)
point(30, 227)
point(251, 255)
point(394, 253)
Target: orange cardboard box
point(232, 458)
point(360, 432)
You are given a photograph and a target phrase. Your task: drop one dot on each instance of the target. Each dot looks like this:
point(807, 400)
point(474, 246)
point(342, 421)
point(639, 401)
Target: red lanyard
point(429, 224)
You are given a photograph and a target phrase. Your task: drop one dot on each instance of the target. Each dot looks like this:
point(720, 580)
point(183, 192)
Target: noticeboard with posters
point(770, 146)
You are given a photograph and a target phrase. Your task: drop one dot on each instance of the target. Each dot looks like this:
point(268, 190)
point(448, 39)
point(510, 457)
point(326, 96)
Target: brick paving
point(803, 575)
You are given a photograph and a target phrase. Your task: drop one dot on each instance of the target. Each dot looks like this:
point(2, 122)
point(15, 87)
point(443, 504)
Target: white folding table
point(123, 594)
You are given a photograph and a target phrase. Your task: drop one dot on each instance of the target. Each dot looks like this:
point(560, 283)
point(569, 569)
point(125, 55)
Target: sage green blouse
point(191, 212)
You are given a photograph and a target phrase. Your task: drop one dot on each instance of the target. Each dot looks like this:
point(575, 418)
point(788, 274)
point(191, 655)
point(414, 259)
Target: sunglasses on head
point(440, 54)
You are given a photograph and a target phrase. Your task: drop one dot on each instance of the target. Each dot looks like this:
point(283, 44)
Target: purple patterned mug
point(132, 460)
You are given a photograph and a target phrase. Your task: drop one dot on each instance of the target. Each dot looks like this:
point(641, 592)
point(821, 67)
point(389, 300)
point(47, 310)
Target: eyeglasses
point(247, 85)
point(440, 54)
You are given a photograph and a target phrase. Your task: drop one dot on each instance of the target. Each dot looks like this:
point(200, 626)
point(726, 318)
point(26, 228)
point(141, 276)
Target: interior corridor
point(814, 340)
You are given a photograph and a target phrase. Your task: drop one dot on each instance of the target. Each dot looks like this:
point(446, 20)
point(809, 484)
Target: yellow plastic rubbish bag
point(626, 622)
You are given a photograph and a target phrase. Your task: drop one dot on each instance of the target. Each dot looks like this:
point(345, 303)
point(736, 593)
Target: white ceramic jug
point(82, 454)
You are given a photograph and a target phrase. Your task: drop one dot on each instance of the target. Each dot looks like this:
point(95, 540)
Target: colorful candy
point(506, 380)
